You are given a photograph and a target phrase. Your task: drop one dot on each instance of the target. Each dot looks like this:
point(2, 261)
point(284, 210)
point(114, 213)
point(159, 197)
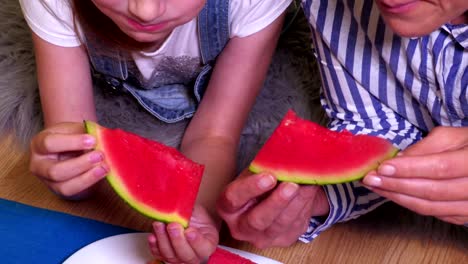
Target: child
point(204, 60)
point(394, 69)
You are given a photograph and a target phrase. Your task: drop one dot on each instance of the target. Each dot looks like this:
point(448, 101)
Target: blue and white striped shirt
point(377, 83)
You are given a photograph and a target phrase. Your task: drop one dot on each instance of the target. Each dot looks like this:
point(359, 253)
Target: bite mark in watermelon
point(156, 180)
point(222, 256)
point(304, 152)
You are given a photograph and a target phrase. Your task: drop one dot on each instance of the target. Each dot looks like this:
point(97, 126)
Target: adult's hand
point(430, 177)
point(265, 213)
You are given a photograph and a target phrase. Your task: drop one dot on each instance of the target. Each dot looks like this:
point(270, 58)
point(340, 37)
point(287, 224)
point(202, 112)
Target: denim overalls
point(172, 102)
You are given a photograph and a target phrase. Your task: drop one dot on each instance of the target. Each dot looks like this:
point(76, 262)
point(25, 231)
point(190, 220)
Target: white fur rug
point(292, 82)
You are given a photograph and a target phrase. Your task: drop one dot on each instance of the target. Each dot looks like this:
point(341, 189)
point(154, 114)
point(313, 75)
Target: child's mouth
point(146, 27)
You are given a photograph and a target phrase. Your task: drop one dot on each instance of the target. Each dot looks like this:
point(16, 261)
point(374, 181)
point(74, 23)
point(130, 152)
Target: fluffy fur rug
point(292, 82)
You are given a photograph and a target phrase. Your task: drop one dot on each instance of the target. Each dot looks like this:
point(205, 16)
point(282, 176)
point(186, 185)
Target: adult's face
point(413, 18)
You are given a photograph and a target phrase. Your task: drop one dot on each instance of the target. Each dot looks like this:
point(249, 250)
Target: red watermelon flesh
point(155, 179)
point(222, 256)
point(302, 151)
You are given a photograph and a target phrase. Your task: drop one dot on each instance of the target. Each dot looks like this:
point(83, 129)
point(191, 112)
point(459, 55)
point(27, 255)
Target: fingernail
point(95, 157)
point(174, 231)
point(372, 181)
point(100, 171)
point(152, 239)
point(387, 170)
point(265, 182)
point(89, 141)
point(288, 190)
point(159, 227)
point(191, 235)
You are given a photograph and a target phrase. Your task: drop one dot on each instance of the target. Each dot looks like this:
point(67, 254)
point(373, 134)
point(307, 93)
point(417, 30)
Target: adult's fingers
point(266, 212)
point(450, 164)
point(288, 225)
point(293, 220)
point(458, 220)
point(440, 139)
point(238, 194)
point(426, 207)
point(427, 189)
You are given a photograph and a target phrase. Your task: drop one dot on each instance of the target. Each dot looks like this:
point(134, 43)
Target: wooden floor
point(388, 235)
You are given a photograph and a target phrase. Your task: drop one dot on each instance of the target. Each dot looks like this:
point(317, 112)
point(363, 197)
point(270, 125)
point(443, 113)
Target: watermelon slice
point(302, 151)
point(155, 179)
point(222, 256)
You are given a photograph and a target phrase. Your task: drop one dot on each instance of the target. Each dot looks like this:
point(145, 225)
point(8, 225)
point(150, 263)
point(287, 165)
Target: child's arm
point(213, 135)
point(65, 82)
point(66, 95)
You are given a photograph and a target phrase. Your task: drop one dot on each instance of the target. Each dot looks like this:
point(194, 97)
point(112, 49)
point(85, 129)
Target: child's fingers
point(153, 246)
point(164, 243)
point(67, 128)
point(54, 171)
point(79, 183)
point(203, 247)
point(47, 143)
point(183, 250)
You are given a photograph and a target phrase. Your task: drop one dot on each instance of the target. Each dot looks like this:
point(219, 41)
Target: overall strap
point(213, 29)
point(107, 60)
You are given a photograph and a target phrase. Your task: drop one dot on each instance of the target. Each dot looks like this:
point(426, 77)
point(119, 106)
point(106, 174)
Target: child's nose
point(146, 10)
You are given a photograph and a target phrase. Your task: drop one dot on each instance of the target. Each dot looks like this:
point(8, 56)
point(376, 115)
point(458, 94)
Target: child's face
point(149, 20)
point(413, 18)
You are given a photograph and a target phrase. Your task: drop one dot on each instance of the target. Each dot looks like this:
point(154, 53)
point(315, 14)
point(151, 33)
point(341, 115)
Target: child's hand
point(172, 244)
point(61, 158)
point(430, 177)
point(259, 211)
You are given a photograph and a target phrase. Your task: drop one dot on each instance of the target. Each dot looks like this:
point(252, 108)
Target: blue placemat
point(34, 235)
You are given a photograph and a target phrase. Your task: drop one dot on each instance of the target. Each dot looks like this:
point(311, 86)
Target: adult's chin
point(411, 29)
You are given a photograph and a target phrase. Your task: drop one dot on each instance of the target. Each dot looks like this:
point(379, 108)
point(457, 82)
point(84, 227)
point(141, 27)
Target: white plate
point(132, 248)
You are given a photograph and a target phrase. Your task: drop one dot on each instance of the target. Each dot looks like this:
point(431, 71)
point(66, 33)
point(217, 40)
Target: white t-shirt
point(52, 20)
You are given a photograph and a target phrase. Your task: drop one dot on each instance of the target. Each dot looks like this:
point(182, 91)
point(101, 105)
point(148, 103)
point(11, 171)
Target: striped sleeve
point(347, 201)
point(377, 83)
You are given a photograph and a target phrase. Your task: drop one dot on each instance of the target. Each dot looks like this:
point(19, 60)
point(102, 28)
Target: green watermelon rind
point(323, 179)
point(93, 129)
